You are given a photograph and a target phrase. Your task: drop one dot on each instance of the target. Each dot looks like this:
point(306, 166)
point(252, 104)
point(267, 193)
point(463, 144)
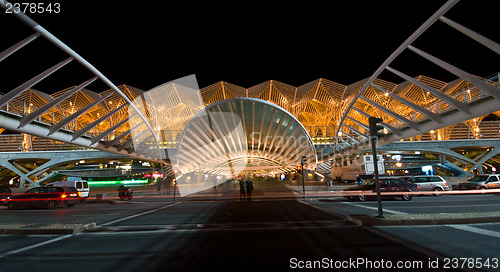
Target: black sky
point(147, 43)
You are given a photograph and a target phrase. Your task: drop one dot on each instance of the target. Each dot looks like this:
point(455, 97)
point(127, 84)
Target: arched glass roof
point(243, 134)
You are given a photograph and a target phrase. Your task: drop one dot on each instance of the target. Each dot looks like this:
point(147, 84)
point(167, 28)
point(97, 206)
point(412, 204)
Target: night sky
point(147, 43)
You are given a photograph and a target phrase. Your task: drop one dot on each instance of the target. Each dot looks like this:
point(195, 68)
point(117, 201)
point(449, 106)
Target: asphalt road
point(466, 243)
point(263, 235)
point(418, 205)
point(205, 236)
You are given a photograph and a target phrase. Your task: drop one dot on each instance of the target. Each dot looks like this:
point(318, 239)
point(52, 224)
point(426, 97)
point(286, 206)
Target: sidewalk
point(325, 192)
point(425, 219)
point(61, 228)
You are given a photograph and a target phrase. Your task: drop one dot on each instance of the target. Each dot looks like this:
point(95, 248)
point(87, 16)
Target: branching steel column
point(395, 54)
point(42, 31)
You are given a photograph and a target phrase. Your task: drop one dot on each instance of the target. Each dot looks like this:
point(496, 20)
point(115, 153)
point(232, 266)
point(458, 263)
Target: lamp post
point(175, 183)
point(302, 163)
point(374, 136)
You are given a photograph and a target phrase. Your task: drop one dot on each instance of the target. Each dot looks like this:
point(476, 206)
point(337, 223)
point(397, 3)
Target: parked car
point(5, 192)
point(389, 188)
point(44, 197)
point(81, 185)
point(430, 183)
point(481, 182)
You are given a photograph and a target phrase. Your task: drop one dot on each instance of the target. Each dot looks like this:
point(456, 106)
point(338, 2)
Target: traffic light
point(375, 127)
point(299, 169)
point(303, 161)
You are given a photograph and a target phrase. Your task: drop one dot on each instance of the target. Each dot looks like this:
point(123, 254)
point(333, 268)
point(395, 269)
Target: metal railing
point(24, 142)
point(319, 135)
point(462, 131)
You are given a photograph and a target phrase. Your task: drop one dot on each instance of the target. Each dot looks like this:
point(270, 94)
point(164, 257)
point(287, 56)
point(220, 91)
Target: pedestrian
point(159, 186)
point(243, 189)
point(249, 189)
point(359, 180)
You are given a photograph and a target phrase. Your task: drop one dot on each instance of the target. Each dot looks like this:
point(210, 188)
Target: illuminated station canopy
point(316, 107)
point(226, 128)
point(244, 134)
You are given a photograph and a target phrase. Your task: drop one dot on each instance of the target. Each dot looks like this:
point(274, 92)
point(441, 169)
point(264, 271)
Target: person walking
point(249, 189)
point(243, 189)
point(359, 180)
point(159, 186)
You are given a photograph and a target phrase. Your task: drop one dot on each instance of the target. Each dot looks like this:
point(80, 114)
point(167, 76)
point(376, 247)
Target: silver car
point(430, 183)
point(481, 182)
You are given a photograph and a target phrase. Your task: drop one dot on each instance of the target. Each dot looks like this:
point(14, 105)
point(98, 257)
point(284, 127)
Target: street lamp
point(302, 163)
point(374, 136)
point(175, 182)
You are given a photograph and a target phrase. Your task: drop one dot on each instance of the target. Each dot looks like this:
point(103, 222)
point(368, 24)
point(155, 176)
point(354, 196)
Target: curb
point(111, 201)
point(424, 219)
point(67, 228)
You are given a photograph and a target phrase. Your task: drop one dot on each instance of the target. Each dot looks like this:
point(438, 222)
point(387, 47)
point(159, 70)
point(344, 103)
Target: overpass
point(51, 160)
point(489, 148)
point(454, 152)
point(46, 161)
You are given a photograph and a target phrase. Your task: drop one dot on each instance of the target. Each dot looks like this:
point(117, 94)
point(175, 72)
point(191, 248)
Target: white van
point(81, 185)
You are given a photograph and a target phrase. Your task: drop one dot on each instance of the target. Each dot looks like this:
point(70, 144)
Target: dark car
point(389, 188)
point(5, 192)
point(44, 197)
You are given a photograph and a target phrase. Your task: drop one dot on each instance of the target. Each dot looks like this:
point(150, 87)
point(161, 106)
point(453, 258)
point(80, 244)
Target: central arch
point(243, 134)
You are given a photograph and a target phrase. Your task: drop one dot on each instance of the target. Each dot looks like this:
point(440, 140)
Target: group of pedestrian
point(246, 187)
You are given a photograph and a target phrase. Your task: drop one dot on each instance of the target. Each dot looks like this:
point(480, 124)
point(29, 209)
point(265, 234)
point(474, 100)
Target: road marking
point(386, 235)
point(372, 208)
point(459, 227)
point(383, 233)
point(450, 206)
point(285, 225)
point(476, 230)
point(35, 245)
point(71, 235)
point(139, 214)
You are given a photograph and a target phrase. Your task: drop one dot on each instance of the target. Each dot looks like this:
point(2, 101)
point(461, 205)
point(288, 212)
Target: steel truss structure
point(115, 103)
point(424, 104)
